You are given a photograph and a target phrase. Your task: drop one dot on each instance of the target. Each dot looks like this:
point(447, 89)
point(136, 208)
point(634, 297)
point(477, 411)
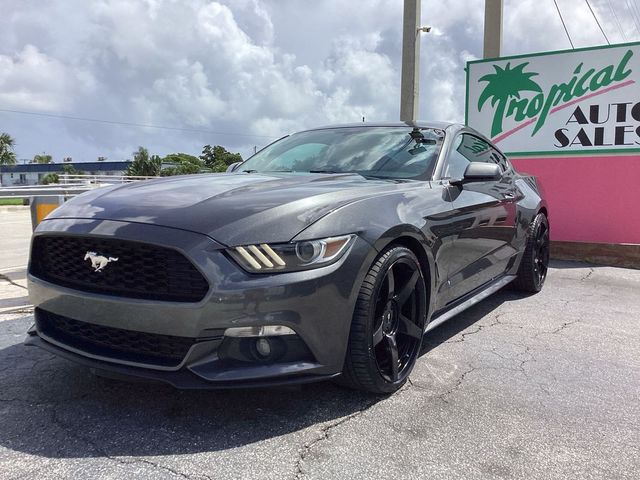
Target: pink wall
point(591, 199)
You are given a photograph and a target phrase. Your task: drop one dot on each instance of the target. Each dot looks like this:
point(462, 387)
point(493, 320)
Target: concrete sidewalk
point(15, 231)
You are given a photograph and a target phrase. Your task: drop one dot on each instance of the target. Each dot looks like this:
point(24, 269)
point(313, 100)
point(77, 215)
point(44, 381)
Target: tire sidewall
point(538, 222)
point(396, 253)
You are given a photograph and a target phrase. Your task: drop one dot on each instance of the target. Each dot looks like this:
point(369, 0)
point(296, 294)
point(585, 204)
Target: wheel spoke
point(409, 328)
point(544, 248)
point(391, 283)
point(393, 349)
point(378, 335)
point(408, 288)
point(543, 236)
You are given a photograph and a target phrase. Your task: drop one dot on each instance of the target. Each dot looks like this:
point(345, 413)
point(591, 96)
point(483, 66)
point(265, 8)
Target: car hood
point(233, 209)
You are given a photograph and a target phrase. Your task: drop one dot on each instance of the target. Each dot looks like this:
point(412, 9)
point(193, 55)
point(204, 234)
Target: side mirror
point(479, 172)
point(233, 167)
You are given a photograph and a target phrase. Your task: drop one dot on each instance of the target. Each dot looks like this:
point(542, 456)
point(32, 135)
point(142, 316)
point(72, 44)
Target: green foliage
point(181, 158)
point(7, 156)
point(67, 169)
point(11, 201)
point(143, 164)
point(218, 158)
point(50, 178)
point(182, 164)
point(71, 170)
point(42, 159)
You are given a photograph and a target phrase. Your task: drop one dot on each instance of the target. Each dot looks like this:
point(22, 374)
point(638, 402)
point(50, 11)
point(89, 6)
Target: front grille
point(116, 343)
point(141, 270)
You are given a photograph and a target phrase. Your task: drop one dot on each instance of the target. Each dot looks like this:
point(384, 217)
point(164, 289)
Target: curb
point(19, 309)
point(614, 255)
point(13, 208)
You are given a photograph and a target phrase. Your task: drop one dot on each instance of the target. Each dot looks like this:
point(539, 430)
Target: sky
point(241, 73)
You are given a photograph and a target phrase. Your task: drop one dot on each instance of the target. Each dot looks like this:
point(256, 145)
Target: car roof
point(419, 124)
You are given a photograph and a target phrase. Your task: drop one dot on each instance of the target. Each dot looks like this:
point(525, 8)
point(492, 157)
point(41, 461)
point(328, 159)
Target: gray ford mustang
point(328, 254)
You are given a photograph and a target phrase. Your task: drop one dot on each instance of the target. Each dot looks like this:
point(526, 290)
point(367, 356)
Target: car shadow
point(56, 409)
point(465, 319)
point(570, 264)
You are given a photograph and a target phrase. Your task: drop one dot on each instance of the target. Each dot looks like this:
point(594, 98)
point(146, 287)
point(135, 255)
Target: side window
point(466, 149)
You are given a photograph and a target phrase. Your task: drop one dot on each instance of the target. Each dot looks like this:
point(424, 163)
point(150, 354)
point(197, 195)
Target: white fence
point(68, 186)
point(69, 179)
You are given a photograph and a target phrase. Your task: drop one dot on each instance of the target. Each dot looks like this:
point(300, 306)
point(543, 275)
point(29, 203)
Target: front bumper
point(317, 304)
point(183, 379)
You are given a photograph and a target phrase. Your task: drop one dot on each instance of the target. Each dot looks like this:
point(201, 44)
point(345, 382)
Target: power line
point(596, 19)
point(129, 124)
point(615, 16)
point(563, 24)
point(634, 13)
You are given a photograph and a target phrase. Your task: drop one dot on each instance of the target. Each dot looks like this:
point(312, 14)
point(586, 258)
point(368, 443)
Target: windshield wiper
point(267, 171)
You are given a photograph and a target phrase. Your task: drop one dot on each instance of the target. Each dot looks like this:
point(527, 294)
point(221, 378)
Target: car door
point(484, 218)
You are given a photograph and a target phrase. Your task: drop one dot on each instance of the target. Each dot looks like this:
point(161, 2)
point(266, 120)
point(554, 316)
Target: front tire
point(535, 261)
point(388, 323)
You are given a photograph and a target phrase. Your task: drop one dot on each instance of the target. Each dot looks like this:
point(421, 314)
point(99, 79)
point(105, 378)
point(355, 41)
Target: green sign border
point(541, 54)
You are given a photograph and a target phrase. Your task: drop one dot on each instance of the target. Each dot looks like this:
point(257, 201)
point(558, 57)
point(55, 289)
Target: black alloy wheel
point(535, 261)
point(388, 324)
point(541, 255)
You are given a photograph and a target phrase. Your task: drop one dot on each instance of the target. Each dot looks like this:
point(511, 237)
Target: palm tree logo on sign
point(503, 85)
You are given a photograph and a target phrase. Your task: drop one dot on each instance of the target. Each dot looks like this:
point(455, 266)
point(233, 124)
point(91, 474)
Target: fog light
point(263, 347)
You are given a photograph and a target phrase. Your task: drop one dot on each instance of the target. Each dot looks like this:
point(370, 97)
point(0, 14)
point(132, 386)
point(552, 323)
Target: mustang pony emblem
point(98, 262)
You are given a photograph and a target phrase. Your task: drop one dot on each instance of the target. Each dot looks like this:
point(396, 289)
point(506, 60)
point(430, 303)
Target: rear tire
point(535, 261)
point(388, 324)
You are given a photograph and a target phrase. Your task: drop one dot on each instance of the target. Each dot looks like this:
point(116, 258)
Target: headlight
point(288, 257)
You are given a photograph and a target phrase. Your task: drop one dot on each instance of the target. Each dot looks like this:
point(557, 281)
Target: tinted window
point(500, 160)
point(386, 152)
point(466, 149)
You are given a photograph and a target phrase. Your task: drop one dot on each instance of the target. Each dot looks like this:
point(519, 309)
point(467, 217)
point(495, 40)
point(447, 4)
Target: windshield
point(384, 152)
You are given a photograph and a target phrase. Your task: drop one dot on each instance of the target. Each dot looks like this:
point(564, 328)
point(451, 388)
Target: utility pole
point(410, 82)
point(493, 28)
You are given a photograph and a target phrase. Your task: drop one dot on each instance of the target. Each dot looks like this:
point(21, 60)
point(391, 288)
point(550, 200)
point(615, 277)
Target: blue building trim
point(58, 167)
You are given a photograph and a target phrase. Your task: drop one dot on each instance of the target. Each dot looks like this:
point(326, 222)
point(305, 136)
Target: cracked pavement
point(544, 386)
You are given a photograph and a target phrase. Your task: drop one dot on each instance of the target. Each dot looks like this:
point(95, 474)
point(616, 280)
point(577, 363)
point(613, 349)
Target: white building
point(32, 173)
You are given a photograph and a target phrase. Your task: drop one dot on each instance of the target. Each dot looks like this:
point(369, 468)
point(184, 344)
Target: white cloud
point(33, 80)
point(249, 67)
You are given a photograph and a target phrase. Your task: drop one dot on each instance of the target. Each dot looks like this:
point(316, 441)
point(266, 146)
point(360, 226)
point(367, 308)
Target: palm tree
point(503, 85)
point(42, 158)
point(7, 157)
point(143, 164)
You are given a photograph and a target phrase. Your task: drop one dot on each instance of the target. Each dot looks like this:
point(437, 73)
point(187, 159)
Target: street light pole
point(492, 28)
point(409, 85)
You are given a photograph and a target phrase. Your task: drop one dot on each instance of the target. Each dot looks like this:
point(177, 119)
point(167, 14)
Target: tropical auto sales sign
point(569, 102)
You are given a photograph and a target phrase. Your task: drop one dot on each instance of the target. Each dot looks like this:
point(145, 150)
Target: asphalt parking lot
point(545, 386)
